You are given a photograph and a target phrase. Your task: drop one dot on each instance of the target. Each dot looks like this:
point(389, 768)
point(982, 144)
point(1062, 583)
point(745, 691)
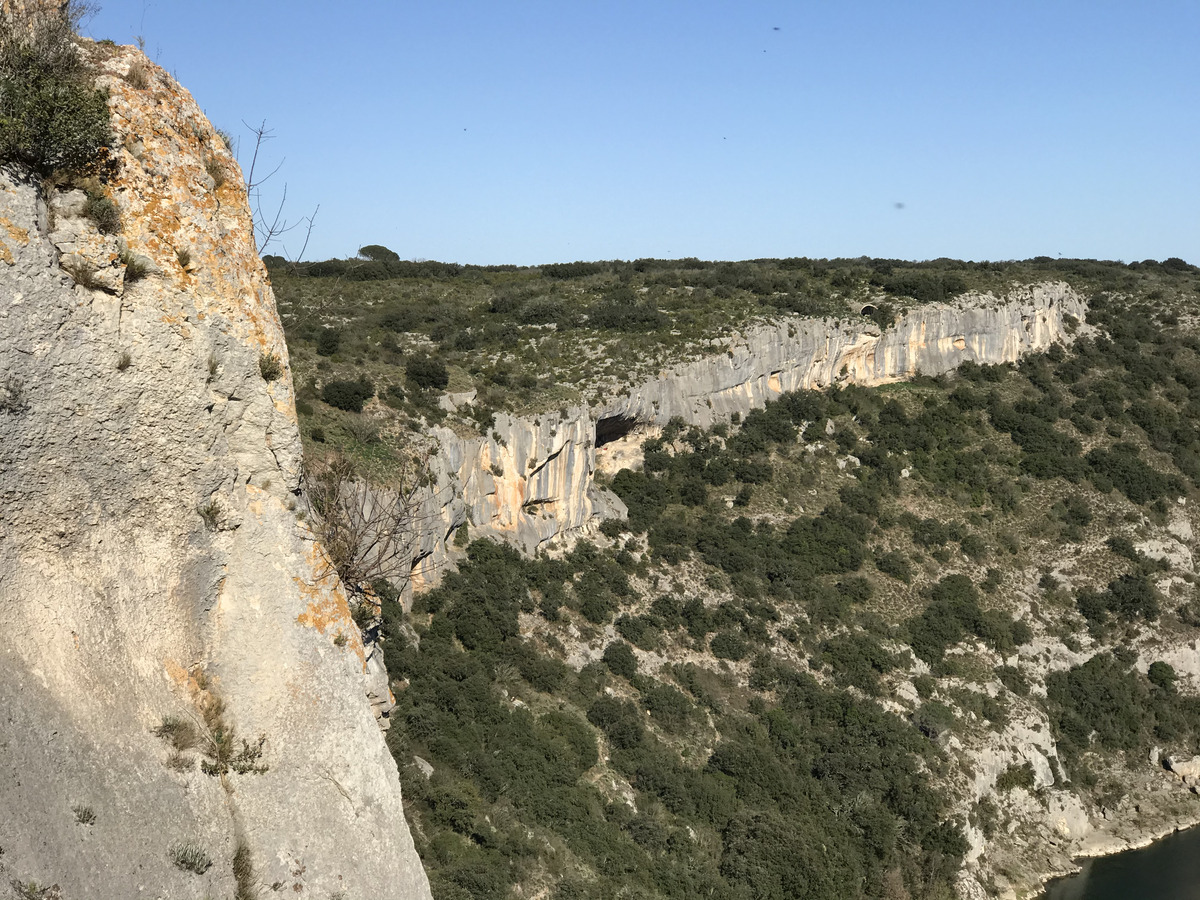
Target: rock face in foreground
point(153, 565)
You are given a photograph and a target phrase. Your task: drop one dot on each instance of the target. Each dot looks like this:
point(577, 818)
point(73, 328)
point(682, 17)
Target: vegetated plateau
point(843, 646)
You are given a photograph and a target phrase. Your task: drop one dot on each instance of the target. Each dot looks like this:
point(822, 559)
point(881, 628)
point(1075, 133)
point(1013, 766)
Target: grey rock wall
point(152, 558)
point(794, 354)
point(533, 479)
point(529, 481)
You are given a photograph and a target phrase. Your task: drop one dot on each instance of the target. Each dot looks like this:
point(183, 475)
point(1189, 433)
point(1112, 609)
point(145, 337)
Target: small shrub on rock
point(51, 118)
point(191, 858)
point(270, 367)
point(104, 212)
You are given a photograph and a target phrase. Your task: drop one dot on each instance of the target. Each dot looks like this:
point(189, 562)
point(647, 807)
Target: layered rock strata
point(529, 481)
point(180, 676)
point(796, 354)
point(533, 479)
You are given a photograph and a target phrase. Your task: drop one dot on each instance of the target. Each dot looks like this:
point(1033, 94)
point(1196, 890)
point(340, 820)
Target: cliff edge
point(183, 690)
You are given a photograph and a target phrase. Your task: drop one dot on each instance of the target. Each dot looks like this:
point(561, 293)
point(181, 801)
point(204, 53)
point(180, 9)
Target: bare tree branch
point(269, 231)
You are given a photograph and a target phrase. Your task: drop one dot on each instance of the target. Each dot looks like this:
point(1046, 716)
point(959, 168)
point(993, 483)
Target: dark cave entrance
point(613, 428)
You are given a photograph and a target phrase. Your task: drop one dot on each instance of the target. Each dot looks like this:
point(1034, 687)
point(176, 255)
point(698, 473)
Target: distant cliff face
point(799, 354)
point(153, 567)
point(529, 481)
point(533, 479)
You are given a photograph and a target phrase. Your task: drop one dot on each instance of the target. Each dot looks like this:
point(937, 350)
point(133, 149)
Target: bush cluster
point(51, 117)
point(348, 395)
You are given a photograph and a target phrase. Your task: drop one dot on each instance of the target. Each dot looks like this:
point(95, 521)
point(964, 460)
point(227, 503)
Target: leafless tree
point(368, 528)
point(270, 227)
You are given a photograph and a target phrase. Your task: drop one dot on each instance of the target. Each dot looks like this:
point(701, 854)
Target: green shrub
point(728, 645)
point(348, 395)
point(427, 373)
point(270, 367)
point(896, 564)
point(1015, 776)
point(51, 118)
point(857, 659)
point(620, 659)
point(933, 719)
point(103, 211)
point(327, 341)
point(668, 707)
point(1162, 675)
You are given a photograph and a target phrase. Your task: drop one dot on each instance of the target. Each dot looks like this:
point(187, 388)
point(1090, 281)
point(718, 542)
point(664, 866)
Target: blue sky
point(531, 132)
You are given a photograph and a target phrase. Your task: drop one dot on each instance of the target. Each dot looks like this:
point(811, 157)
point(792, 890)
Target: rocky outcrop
point(529, 481)
point(153, 565)
point(532, 479)
point(795, 354)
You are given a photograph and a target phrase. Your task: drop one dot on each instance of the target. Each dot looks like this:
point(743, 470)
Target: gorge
point(749, 579)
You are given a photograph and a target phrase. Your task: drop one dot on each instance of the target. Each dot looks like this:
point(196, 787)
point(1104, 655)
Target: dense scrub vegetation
point(52, 120)
point(799, 798)
point(695, 702)
point(525, 338)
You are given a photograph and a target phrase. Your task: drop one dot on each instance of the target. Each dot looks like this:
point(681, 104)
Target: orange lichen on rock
point(327, 607)
point(171, 204)
point(15, 232)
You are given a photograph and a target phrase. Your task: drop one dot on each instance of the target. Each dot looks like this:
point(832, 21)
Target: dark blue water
point(1168, 869)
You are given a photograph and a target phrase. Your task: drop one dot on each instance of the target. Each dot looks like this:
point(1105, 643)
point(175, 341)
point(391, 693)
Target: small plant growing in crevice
point(179, 762)
point(82, 274)
point(84, 815)
point(214, 365)
point(136, 267)
point(12, 396)
point(137, 77)
point(179, 733)
point(210, 512)
point(215, 171)
point(243, 873)
point(219, 744)
point(269, 366)
point(224, 756)
point(124, 361)
point(191, 858)
point(104, 212)
point(184, 258)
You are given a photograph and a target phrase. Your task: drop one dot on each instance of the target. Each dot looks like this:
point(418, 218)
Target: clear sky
point(529, 131)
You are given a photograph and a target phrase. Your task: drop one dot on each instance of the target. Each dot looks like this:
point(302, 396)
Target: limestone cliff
point(532, 479)
point(154, 568)
point(794, 354)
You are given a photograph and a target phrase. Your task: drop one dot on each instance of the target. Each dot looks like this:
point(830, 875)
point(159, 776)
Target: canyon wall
point(799, 354)
point(529, 481)
point(533, 479)
point(180, 676)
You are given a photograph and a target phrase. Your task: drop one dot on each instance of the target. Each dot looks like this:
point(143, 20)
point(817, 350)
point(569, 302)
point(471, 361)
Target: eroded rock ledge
point(533, 479)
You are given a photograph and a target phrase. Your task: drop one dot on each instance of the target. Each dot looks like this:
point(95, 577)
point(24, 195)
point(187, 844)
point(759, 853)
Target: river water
point(1168, 869)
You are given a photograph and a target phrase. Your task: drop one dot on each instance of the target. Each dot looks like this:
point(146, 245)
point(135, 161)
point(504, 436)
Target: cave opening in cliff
point(613, 428)
point(868, 310)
